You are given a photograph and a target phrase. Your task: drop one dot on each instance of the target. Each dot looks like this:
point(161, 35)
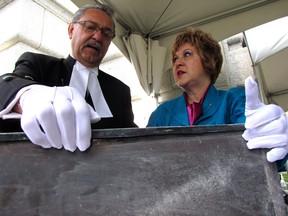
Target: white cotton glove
point(266, 125)
point(57, 117)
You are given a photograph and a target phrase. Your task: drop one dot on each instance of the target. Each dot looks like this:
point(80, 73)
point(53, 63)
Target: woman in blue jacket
point(197, 62)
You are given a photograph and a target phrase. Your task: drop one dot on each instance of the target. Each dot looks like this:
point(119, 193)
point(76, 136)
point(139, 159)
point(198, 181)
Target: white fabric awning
point(268, 47)
point(147, 58)
point(267, 39)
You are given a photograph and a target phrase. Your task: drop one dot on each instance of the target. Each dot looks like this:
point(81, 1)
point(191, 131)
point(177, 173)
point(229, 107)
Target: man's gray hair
point(109, 11)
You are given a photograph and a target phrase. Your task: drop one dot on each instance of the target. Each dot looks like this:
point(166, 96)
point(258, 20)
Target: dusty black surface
point(160, 171)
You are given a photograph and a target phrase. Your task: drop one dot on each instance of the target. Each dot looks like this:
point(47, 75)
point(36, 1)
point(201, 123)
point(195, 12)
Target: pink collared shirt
point(194, 109)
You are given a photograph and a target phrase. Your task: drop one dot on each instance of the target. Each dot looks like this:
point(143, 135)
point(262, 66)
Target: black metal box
point(203, 170)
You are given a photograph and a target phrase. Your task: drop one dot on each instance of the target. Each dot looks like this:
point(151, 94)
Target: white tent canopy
point(147, 58)
point(267, 39)
point(158, 22)
point(268, 46)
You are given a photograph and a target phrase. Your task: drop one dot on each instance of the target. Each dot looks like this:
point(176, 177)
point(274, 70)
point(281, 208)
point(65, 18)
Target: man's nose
point(98, 35)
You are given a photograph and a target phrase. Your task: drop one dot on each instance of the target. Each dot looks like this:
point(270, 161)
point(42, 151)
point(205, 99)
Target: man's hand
point(57, 117)
point(266, 125)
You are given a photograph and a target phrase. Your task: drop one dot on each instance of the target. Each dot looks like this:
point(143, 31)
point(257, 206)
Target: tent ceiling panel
point(162, 19)
point(275, 73)
point(158, 19)
point(281, 100)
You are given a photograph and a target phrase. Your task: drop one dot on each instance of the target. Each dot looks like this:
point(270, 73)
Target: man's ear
point(70, 30)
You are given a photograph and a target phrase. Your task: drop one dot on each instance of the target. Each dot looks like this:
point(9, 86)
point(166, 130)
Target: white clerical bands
point(84, 78)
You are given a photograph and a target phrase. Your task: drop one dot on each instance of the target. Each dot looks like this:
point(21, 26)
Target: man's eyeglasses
point(93, 27)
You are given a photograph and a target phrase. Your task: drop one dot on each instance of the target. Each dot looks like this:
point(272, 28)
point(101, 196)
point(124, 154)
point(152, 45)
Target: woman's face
point(188, 70)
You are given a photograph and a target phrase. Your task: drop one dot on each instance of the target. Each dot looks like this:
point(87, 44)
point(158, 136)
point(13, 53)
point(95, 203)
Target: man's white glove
point(266, 125)
point(57, 117)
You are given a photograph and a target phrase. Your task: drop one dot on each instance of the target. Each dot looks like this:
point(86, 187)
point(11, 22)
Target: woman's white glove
point(266, 125)
point(57, 117)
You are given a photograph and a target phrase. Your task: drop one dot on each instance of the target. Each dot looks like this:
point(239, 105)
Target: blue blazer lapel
point(211, 103)
point(179, 111)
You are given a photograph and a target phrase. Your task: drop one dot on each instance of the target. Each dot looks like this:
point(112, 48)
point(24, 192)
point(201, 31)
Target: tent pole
point(258, 74)
point(261, 83)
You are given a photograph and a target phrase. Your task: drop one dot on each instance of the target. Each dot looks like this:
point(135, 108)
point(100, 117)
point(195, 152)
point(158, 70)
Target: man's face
point(89, 45)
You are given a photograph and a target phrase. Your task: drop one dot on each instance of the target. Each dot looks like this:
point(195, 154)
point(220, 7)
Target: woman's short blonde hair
point(208, 49)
